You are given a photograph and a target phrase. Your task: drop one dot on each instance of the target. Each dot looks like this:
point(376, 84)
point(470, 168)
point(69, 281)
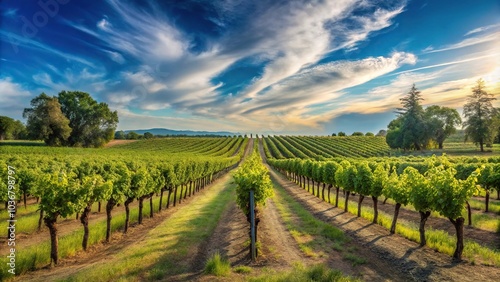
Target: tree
point(381, 132)
point(148, 135)
point(94, 189)
point(341, 133)
point(441, 122)
point(11, 129)
point(369, 134)
point(92, 123)
point(479, 113)
point(46, 121)
point(420, 196)
point(334, 134)
point(394, 138)
point(132, 136)
point(380, 179)
point(357, 133)
point(399, 192)
point(453, 194)
point(120, 135)
point(363, 182)
point(413, 127)
point(60, 196)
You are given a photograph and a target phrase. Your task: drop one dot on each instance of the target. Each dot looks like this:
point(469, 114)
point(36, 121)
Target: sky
point(265, 67)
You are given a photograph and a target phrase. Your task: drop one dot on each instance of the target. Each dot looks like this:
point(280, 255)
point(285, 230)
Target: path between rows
point(399, 254)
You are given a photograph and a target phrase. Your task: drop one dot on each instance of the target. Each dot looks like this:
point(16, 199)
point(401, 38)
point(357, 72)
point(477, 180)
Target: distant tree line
point(132, 135)
point(72, 118)
point(416, 128)
point(358, 133)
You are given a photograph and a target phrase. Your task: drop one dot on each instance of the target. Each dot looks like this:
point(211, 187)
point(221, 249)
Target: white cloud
point(472, 41)
point(115, 56)
point(482, 29)
point(104, 25)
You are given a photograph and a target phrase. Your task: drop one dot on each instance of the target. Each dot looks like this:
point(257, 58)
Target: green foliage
point(92, 123)
point(61, 195)
point(396, 189)
point(252, 175)
point(46, 121)
point(341, 133)
point(11, 129)
point(421, 194)
point(479, 112)
point(357, 133)
point(451, 193)
point(441, 122)
point(363, 180)
point(218, 266)
point(380, 179)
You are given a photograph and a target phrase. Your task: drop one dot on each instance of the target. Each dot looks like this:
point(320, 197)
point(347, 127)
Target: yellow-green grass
point(311, 234)
point(436, 239)
point(217, 265)
point(300, 273)
point(37, 256)
point(165, 250)
point(480, 204)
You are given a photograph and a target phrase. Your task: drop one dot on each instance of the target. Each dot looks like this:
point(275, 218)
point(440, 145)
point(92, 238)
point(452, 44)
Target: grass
point(311, 234)
point(217, 265)
point(166, 249)
point(300, 273)
point(242, 269)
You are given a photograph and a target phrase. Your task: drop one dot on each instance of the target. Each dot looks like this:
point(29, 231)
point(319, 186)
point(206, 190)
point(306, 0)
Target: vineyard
point(160, 208)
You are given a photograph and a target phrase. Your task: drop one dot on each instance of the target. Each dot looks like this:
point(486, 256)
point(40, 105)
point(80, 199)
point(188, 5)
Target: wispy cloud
point(491, 37)
point(16, 40)
point(483, 29)
point(448, 63)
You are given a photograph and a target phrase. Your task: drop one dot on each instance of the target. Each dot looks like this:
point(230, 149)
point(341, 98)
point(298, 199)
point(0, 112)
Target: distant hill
point(165, 132)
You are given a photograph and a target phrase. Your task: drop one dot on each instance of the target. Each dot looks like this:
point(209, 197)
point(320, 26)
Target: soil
point(116, 142)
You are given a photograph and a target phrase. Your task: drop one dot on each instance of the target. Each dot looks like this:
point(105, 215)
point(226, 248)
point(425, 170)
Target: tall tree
point(441, 122)
point(413, 129)
point(479, 113)
point(6, 127)
point(46, 121)
point(92, 123)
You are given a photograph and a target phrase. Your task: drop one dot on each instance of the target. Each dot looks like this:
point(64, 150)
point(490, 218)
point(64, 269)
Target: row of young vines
point(441, 187)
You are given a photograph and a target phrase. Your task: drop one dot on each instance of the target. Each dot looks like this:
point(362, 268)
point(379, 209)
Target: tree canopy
point(92, 123)
point(73, 118)
point(11, 129)
point(46, 121)
point(479, 112)
point(416, 128)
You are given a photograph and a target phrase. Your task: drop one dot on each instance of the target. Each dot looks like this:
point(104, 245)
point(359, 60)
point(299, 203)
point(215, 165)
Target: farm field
point(301, 231)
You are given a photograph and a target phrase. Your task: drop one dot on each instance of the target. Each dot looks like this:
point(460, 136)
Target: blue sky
point(273, 67)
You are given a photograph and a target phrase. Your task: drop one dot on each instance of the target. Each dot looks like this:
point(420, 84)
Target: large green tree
point(413, 128)
point(479, 112)
point(441, 122)
point(11, 129)
point(46, 121)
point(92, 123)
